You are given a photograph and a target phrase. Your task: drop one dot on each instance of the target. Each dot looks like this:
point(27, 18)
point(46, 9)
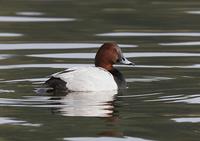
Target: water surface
point(161, 102)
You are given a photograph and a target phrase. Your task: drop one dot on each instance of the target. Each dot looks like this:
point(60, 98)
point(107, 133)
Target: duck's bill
point(126, 61)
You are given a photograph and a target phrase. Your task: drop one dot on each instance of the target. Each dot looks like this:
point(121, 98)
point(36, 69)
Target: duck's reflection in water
point(86, 104)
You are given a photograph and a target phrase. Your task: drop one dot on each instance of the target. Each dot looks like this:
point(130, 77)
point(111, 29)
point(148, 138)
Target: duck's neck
point(119, 78)
point(108, 67)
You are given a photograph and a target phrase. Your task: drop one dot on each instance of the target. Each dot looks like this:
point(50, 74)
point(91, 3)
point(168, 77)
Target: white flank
point(88, 79)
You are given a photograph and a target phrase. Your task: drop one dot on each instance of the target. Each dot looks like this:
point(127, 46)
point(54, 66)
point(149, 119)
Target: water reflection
point(89, 104)
point(83, 104)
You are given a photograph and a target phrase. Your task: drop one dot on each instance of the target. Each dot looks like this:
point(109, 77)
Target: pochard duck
point(102, 77)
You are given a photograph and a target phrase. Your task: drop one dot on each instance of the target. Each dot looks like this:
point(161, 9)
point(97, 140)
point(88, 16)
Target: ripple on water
point(128, 55)
point(149, 34)
point(189, 99)
point(147, 79)
point(10, 34)
point(29, 13)
point(28, 46)
point(125, 138)
point(34, 19)
point(194, 66)
point(43, 66)
point(193, 12)
point(6, 91)
point(4, 56)
point(13, 121)
point(187, 119)
point(192, 99)
point(33, 80)
point(180, 44)
point(64, 66)
point(139, 95)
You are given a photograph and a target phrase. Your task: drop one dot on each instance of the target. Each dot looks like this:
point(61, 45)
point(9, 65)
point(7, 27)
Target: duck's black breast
point(119, 78)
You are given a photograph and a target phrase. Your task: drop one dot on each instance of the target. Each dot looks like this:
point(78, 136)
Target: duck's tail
point(56, 84)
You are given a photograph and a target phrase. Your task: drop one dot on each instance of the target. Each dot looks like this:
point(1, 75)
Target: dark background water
point(41, 37)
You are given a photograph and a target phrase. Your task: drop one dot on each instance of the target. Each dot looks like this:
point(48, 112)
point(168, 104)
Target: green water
point(41, 37)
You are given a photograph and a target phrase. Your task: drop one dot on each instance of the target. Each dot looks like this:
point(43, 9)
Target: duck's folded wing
point(87, 79)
